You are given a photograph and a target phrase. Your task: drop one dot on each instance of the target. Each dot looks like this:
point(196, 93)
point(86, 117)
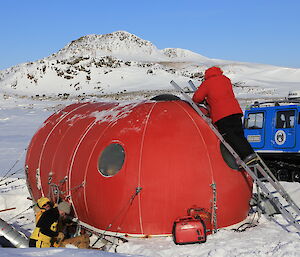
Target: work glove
point(60, 237)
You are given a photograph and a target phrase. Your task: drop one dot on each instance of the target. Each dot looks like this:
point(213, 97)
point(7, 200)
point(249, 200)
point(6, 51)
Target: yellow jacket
point(46, 227)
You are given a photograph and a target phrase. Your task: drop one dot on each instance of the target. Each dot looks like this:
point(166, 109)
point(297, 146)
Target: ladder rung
point(291, 223)
point(287, 206)
point(274, 192)
point(263, 179)
point(252, 165)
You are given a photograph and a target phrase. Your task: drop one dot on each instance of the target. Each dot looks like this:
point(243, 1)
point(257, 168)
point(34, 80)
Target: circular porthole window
point(111, 160)
point(228, 157)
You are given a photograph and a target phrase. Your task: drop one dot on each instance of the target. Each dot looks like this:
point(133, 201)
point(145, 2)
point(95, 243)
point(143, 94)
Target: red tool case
point(189, 230)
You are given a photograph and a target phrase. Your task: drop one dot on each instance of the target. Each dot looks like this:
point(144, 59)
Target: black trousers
point(36, 243)
point(32, 242)
point(231, 128)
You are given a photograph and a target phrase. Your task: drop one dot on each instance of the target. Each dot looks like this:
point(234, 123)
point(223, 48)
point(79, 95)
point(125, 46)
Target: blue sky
point(259, 31)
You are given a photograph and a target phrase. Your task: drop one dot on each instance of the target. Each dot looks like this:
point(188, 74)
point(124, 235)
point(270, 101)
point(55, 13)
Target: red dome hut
point(134, 167)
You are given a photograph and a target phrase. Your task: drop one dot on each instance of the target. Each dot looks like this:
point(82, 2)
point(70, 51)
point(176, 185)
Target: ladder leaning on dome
point(259, 172)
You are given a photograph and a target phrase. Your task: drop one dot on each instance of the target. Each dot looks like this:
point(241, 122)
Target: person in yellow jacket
point(41, 206)
point(46, 223)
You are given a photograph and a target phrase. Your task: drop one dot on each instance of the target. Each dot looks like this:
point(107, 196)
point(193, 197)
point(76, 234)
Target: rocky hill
point(120, 62)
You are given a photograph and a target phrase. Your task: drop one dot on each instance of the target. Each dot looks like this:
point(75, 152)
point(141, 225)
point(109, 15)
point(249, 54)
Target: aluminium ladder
point(260, 173)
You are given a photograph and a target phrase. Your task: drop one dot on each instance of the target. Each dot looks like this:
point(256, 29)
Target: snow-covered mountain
point(121, 62)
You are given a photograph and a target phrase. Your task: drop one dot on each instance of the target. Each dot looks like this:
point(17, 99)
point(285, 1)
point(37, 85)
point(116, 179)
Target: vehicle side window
point(255, 120)
point(285, 119)
point(299, 118)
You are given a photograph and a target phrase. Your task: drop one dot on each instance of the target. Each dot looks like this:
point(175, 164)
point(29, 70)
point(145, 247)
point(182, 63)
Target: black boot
point(251, 159)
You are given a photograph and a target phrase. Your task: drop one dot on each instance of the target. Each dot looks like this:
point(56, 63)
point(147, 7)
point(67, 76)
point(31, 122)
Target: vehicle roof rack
point(275, 103)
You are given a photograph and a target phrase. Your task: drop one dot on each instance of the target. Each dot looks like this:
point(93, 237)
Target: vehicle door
point(284, 131)
point(255, 128)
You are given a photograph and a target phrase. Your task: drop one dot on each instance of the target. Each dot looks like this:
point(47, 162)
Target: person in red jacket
point(225, 111)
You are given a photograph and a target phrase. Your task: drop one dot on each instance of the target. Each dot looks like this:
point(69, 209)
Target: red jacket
point(217, 90)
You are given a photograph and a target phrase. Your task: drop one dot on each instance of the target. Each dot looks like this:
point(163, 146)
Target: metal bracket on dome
point(214, 208)
point(38, 179)
point(50, 177)
point(63, 180)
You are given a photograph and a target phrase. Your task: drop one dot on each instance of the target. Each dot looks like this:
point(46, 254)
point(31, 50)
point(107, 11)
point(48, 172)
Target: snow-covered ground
point(20, 118)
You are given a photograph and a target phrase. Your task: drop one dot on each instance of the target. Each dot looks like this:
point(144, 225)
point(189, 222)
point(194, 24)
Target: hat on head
point(64, 207)
point(212, 71)
point(42, 201)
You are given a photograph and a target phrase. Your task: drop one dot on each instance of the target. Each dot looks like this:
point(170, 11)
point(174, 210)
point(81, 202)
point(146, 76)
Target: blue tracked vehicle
point(273, 130)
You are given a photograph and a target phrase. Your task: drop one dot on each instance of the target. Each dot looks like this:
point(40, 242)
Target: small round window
point(111, 160)
point(228, 157)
